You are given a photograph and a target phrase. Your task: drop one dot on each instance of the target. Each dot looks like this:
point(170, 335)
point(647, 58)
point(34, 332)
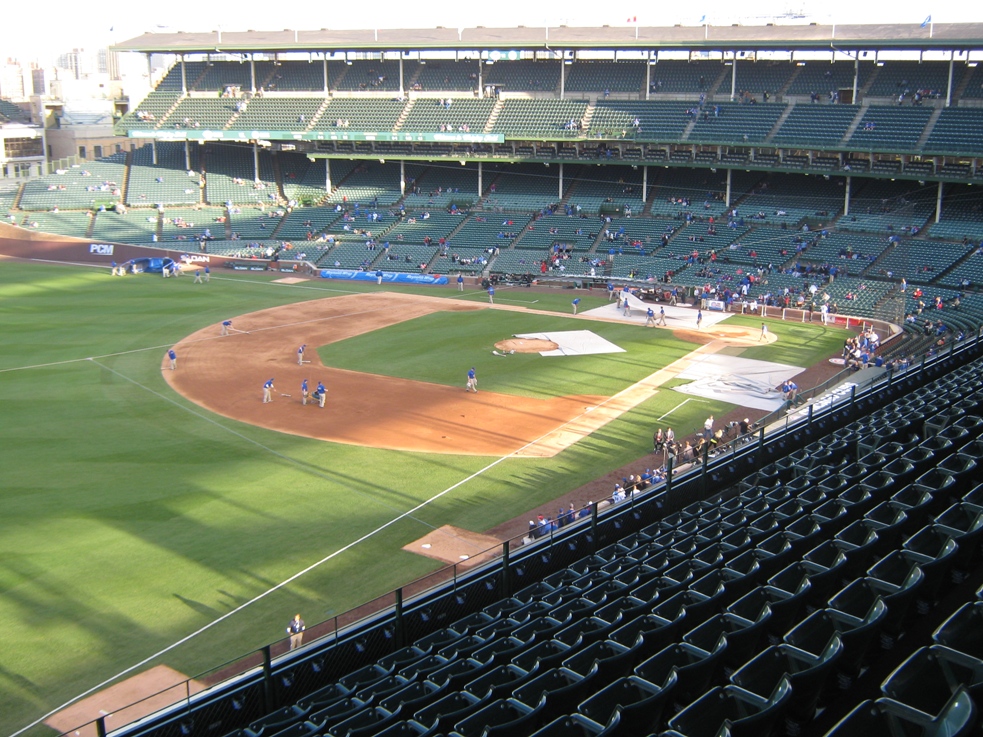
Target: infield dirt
point(225, 374)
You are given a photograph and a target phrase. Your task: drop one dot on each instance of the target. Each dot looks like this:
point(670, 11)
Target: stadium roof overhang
point(926, 36)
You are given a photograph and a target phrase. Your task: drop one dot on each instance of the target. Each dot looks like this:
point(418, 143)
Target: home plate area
point(562, 343)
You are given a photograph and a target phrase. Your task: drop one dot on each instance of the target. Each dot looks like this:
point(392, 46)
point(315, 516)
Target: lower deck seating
point(763, 607)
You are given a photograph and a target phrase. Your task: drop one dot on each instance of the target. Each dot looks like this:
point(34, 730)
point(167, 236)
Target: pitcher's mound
point(454, 545)
point(526, 345)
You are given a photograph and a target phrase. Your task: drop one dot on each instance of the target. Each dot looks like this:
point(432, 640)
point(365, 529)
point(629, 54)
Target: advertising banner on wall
point(388, 277)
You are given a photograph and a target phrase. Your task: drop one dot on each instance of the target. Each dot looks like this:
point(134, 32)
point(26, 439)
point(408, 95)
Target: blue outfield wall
point(387, 276)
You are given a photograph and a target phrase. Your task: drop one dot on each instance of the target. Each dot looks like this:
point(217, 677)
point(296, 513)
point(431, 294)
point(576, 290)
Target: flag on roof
point(926, 21)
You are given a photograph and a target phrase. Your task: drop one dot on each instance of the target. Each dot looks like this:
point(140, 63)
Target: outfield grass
point(130, 517)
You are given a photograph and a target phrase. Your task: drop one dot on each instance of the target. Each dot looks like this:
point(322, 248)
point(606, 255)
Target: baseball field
point(156, 517)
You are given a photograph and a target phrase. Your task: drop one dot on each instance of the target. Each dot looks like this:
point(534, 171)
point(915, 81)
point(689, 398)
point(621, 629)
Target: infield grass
point(440, 348)
point(130, 518)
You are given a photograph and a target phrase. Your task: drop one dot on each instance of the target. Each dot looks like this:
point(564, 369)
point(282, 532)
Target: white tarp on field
point(741, 381)
point(574, 343)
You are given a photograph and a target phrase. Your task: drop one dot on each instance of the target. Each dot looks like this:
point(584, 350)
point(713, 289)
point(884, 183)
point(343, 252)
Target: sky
point(44, 31)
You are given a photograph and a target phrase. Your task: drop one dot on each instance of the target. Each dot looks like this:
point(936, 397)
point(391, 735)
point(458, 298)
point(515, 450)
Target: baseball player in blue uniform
point(304, 392)
point(268, 391)
point(226, 324)
point(699, 318)
point(173, 356)
point(460, 282)
point(575, 304)
point(649, 317)
point(472, 381)
point(662, 316)
point(320, 393)
point(197, 277)
point(300, 354)
point(378, 276)
point(491, 294)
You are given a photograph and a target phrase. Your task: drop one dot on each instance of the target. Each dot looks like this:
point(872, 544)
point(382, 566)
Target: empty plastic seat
point(806, 673)
point(833, 515)
point(402, 657)
point(405, 728)
point(577, 725)
point(640, 704)
point(857, 500)
point(930, 676)
point(741, 635)
point(935, 552)
point(366, 722)
point(545, 654)
point(472, 622)
point(938, 446)
point(502, 717)
point(278, 720)
point(584, 631)
point(962, 467)
point(609, 658)
point(496, 682)
point(783, 605)
point(364, 676)
point(916, 501)
point(651, 630)
point(822, 582)
point(436, 640)
point(582, 606)
point(415, 696)
point(860, 596)
point(622, 609)
point(764, 526)
point(694, 668)
point(448, 710)
point(324, 696)
point(712, 587)
point(890, 718)
point(740, 575)
point(557, 686)
point(382, 688)
point(337, 712)
point(963, 631)
point(424, 666)
point(541, 627)
point(815, 631)
point(462, 647)
point(773, 554)
point(741, 712)
point(964, 523)
point(914, 462)
point(860, 543)
point(739, 539)
point(903, 469)
point(458, 672)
